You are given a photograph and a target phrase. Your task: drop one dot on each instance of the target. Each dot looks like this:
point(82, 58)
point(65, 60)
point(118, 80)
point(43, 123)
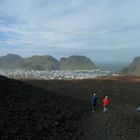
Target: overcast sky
point(104, 30)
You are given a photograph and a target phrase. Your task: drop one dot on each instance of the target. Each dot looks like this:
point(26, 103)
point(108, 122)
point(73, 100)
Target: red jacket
point(105, 101)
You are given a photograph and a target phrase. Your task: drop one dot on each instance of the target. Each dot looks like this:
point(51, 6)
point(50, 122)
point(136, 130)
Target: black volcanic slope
point(121, 122)
point(28, 112)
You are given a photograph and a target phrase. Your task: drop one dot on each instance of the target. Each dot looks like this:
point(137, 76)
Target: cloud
point(90, 27)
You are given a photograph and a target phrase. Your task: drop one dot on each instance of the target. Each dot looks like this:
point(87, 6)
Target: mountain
point(11, 61)
point(133, 68)
point(76, 63)
point(46, 62)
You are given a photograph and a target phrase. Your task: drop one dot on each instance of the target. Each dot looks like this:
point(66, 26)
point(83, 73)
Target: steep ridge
point(28, 112)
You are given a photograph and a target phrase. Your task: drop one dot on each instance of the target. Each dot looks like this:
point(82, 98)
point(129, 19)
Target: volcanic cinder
point(61, 110)
point(121, 122)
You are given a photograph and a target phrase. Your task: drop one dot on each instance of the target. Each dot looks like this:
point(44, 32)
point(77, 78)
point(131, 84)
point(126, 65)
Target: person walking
point(94, 102)
point(105, 104)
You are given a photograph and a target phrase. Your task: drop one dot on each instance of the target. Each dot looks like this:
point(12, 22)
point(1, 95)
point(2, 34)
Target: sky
point(103, 30)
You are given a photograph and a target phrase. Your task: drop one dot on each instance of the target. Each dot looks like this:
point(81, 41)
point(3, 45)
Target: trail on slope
point(112, 125)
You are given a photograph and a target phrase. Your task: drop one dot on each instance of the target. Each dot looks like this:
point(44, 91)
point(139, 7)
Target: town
point(55, 74)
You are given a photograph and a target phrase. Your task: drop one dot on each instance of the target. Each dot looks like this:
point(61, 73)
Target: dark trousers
point(94, 107)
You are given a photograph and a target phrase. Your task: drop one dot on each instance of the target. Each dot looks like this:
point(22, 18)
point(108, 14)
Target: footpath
point(112, 125)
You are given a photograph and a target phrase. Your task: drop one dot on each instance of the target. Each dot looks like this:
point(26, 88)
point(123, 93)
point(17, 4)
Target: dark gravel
point(121, 122)
point(28, 112)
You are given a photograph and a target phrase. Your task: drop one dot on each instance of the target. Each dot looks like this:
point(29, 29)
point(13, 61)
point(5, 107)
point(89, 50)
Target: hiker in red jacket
point(105, 104)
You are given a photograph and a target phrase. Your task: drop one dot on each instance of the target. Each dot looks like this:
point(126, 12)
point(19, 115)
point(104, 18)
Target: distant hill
point(46, 62)
point(133, 68)
point(11, 61)
point(76, 63)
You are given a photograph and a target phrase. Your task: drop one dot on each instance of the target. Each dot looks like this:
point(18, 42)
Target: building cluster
point(54, 74)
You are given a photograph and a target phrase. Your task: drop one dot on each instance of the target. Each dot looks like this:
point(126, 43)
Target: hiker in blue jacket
point(94, 102)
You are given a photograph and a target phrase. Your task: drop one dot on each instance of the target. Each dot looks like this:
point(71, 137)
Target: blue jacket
point(94, 100)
